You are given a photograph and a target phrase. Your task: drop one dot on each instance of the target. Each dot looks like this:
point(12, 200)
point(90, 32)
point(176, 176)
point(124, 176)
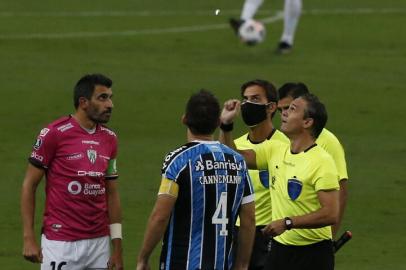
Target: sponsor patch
point(217, 165)
point(65, 127)
point(108, 131)
point(44, 132)
point(87, 189)
point(75, 156)
point(105, 157)
point(37, 157)
point(56, 227)
point(171, 155)
point(74, 187)
point(294, 188)
point(38, 143)
point(90, 142)
point(91, 173)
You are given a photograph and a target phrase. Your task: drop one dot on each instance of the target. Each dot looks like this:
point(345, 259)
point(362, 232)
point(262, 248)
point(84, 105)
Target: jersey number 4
point(220, 215)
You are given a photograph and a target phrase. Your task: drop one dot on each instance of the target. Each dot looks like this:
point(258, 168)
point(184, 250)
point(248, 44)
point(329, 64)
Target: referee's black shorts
point(259, 251)
point(317, 256)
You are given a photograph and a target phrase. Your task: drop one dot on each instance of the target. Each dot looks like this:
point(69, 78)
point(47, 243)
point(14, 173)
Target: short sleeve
point(338, 155)
point(248, 195)
point(43, 150)
point(262, 156)
point(112, 172)
point(326, 177)
point(332, 145)
point(173, 164)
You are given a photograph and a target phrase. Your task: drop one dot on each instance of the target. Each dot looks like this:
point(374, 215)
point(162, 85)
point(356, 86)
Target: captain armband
point(168, 187)
point(115, 231)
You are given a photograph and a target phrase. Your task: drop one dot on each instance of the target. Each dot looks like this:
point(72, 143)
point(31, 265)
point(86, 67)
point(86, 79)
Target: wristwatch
point(288, 223)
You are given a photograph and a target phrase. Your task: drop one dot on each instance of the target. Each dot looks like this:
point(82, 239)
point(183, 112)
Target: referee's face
point(255, 94)
point(284, 103)
point(293, 121)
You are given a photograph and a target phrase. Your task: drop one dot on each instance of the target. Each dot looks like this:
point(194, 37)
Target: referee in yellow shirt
point(327, 140)
point(259, 103)
point(304, 187)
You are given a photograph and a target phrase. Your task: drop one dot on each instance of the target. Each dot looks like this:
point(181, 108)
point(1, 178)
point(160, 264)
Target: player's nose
point(110, 104)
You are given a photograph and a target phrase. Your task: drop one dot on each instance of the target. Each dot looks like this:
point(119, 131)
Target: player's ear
point(184, 119)
point(272, 106)
point(83, 102)
point(308, 122)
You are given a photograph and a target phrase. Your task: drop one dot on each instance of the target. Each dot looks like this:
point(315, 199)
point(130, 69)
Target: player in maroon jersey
point(77, 156)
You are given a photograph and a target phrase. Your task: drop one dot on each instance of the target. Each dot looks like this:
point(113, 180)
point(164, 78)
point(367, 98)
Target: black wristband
point(227, 127)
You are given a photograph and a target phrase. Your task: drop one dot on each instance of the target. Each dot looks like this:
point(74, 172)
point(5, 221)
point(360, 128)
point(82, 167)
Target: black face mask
point(253, 113)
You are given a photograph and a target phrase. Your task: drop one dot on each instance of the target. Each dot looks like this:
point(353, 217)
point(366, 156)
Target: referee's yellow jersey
point(296, 179)
point(329, 142)
point(260, 178)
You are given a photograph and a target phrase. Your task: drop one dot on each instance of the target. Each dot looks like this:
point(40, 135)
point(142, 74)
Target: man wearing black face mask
point(259, 100)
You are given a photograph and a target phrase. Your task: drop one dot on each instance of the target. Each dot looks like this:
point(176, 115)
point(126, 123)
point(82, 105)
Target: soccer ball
point(252, 32)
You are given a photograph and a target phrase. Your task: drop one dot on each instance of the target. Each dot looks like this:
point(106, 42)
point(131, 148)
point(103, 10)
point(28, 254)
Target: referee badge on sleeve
point(294, 188)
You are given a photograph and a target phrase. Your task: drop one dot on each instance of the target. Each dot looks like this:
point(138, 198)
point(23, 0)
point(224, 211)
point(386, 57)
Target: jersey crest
point(92, 155)
point(294, 188)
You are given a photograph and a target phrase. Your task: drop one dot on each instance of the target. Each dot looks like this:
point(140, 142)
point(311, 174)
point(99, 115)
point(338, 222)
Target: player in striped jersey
point(204, 187)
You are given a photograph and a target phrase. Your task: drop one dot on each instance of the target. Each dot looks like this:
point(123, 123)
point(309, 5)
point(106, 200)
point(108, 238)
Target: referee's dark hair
point(86, 85)
point(293, 90)
point(317, 111)
point(270, 90)
point(202, 115)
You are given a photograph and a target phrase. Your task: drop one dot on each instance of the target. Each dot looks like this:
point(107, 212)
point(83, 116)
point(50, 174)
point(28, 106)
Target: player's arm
point(342, 203)
point(33, 176)
point(157, 223)
point(336, 150)
point(158, 220)
point(246, 236)
point(114, 212)
point(230, 111)
point(325, 216)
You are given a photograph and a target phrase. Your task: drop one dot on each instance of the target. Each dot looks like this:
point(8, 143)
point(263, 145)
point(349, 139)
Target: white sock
point(292, 11)
point(250, 8)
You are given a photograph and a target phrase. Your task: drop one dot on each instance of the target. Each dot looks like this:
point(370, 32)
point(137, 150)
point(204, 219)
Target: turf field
point(352, 53)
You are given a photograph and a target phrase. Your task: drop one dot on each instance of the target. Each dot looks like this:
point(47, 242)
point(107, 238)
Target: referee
point(259, 98)
point(304, 187)
point(327, 140)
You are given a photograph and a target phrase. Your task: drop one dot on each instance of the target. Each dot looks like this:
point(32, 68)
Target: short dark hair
point(270, 89)
point(86, 85)
point(293, 90)
point(317, 111)
point(202, 113)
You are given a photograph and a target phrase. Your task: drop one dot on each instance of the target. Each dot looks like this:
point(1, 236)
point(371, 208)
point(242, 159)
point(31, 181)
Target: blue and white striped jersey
point(213, 183)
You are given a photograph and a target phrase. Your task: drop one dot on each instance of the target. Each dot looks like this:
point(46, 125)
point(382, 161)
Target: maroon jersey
point(77, 164)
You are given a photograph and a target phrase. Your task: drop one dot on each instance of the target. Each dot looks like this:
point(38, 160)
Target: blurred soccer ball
point(252, 32)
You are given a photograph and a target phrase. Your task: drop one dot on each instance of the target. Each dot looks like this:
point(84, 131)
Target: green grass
point(354, 62)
